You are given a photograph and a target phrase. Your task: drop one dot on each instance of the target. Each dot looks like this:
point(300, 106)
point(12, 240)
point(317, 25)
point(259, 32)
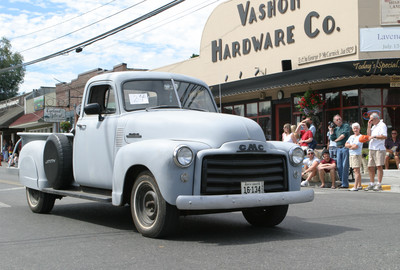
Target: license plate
point(252, 187)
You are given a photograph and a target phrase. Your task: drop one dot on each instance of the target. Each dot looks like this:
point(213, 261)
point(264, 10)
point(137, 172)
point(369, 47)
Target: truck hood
point(213, 129)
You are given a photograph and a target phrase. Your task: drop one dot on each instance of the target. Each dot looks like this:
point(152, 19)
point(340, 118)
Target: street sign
point(54, 114)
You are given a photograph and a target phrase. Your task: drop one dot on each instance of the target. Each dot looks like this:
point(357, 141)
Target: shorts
point(390, 155)
point(376, 158)
point(355, 161)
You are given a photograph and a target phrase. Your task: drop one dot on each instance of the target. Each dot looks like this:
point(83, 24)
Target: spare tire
point(57, 160)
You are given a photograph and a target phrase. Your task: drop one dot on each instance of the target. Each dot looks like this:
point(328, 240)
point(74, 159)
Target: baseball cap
point(310, 151)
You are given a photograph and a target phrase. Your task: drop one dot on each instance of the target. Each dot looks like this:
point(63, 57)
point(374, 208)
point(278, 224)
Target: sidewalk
point(390, 181)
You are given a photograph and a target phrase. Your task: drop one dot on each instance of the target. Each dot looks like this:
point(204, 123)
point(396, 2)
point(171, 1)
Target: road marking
point(9, 189)
point(10, 183)
point(4, 205)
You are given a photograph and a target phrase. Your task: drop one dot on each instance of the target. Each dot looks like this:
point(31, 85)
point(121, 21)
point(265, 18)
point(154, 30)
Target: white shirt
point(378, 130)
point(309, 162)
point(353, 139)
point(288, 138)
point(313, 129)
point(331, 143)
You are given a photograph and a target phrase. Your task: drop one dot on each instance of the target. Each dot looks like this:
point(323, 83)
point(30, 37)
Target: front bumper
point(241, 201)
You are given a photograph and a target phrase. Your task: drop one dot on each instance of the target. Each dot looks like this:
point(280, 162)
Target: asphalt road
point(339, 230)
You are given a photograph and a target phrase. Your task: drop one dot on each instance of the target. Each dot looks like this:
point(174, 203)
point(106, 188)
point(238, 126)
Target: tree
point(10, 79)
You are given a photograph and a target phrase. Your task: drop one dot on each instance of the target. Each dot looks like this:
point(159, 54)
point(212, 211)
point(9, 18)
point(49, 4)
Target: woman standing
point(355, 148)
point(288, 136)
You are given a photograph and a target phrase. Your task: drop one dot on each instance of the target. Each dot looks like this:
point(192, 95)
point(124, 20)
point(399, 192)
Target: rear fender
point(30, 164)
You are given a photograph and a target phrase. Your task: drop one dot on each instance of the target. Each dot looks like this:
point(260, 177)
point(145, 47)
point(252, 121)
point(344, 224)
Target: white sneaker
point(370, 187)
point(377, 187)
point(360, 188)
point(353, 189)
point(304, 183)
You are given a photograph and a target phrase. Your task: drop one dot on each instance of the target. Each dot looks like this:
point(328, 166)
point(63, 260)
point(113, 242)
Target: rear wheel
point(266, 217)
point(39, 202)
point(152, 215)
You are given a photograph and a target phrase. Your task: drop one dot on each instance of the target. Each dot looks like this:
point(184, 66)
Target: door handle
point(81, 126)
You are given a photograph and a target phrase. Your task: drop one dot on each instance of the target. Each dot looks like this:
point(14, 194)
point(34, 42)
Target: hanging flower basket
point(310, 103)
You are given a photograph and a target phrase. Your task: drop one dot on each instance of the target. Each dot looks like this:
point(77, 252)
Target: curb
point(384, 187)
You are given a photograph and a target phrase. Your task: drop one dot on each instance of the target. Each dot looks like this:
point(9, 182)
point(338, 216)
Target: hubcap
point(33, 196)
point(146, 204)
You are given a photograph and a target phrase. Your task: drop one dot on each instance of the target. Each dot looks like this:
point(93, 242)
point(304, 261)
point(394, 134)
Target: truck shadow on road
point(221, 229)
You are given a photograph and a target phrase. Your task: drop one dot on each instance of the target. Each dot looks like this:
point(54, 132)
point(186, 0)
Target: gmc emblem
point(251, 148)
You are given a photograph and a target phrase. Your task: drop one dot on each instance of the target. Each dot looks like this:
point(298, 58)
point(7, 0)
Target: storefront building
point(260, 56)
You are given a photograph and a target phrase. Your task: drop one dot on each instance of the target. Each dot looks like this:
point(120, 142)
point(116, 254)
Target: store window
point(350, 98)
point(370, 96)
point(259, 111)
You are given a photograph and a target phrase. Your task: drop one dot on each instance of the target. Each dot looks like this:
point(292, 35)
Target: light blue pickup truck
point(156, 142)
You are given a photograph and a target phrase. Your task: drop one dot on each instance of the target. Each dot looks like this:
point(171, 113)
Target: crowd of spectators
point(343, 153)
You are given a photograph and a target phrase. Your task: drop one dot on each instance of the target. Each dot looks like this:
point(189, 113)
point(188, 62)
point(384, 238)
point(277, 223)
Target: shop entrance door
point(282, 116)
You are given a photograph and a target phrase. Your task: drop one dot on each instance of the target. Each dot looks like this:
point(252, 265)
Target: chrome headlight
point(296, 156)
point(183, 156)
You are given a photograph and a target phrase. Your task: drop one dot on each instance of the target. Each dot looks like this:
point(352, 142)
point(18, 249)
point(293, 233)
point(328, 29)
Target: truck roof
point(122, 76)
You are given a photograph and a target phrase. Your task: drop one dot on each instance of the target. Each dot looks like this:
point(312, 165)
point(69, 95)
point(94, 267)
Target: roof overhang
point(10, 115)
point(371, 71)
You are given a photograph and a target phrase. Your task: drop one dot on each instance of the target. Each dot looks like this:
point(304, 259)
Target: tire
point(57, 160)
point(266, 217)
point(39, 202)
point(152, 215)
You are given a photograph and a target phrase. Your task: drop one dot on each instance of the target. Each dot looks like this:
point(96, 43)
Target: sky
point(37, 28)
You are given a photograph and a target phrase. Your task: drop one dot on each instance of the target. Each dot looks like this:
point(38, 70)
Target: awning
point(9, 115)
point(312, 75)
point(28, 120)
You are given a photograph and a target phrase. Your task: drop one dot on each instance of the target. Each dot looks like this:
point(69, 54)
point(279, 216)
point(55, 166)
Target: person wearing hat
point(355, 147)
point(310, 167)
point(377, 130)
point(327, 165)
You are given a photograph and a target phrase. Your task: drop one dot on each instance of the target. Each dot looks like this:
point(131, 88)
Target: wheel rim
point(146, 205)
point(33, 197)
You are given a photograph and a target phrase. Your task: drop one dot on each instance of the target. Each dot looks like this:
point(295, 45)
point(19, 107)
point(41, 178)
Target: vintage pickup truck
point(155, 141)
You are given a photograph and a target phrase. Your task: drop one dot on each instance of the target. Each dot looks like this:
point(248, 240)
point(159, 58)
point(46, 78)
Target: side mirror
point(94, 108)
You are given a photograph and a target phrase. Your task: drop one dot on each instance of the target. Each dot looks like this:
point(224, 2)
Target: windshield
point(139, 95)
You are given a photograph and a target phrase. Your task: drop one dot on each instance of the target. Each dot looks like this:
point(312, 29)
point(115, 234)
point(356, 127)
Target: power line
point(169, 20)
point(51, 26)
point(77, 30)
point(78, 47)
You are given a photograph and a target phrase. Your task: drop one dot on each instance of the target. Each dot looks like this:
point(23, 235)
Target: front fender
point(157, 156)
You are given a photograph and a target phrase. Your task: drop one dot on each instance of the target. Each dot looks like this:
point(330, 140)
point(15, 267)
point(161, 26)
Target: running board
point(97, 195)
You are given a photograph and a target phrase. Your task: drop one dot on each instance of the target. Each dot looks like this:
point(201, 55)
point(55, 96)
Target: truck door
point(94, 139)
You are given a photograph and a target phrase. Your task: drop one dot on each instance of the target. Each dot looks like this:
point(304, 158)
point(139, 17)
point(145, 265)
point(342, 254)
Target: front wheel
point(39, 202)
point(152, 215)
point(266, 217)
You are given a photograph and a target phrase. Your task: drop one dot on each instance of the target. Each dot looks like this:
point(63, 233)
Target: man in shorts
point(310, 167)
point(377, 131)
point(327, 165)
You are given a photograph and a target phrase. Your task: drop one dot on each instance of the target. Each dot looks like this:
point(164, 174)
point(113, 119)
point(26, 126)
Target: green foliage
point(65, 126)
point(11, 79)
point(194, 55)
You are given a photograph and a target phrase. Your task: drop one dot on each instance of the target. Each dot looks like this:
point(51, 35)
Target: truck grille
point(223, 174)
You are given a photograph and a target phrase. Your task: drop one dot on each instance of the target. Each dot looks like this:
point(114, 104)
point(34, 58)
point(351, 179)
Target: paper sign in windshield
point(138, 98)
